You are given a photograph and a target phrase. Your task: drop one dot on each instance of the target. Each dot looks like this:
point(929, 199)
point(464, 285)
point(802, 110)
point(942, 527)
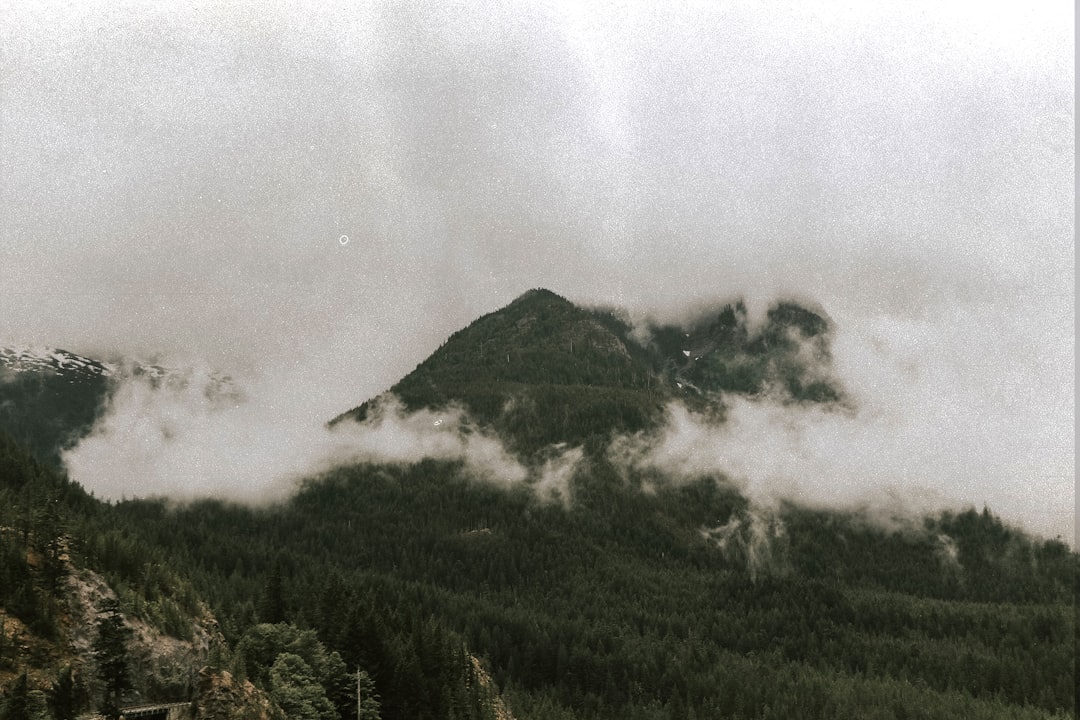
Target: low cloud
point(754, 538)
point(313, 198)
point(192, 434)
point(183, 438)
point(390, 434)
point(552, 483)
point(889, 465)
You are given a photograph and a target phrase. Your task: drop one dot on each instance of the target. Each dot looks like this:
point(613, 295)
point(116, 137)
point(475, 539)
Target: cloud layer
point(185, 439)
point(313, 198)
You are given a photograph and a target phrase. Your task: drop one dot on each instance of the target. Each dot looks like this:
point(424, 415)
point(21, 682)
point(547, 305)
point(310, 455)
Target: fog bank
point(311, 199)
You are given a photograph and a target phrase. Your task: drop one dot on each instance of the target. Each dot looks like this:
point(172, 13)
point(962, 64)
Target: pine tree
point(367, 700)
point(272, 605)
point(110, 651)
point(64, 697)
point(17, 704)
point(49, 532)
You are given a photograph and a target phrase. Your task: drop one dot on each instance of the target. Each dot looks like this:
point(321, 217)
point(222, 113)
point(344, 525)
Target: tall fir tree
point(65, 696)
point(110, 651)
point(16, 706)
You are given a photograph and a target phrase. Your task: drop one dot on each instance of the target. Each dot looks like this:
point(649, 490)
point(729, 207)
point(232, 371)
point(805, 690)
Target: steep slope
point(68, 562)
point(60, 569)
point(789, 354)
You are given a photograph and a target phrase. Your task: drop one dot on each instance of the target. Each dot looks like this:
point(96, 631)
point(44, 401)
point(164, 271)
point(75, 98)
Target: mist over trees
point(418, 588)
point(617, 607)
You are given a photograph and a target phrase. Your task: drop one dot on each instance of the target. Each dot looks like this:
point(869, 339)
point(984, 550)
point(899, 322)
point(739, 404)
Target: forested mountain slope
point(620, 607)
point(543, 371)
point(50, 398)
point(160, 642)
point(431, 592)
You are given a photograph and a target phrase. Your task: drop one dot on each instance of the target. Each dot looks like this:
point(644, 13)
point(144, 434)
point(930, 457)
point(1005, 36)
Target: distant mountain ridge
point(50, 397)
point(21, 360)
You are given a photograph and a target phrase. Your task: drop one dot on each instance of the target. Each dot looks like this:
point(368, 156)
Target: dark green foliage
point(15, 704)
point(67, 696)
point(263, 643)
point(50, 544)
point(543, 371)
point(295, 689)
point(642, 599)
point(35, 503)
point(110, 652)
point(47, 411)
point(272, 606)
point(540, 371)
point(619, 608)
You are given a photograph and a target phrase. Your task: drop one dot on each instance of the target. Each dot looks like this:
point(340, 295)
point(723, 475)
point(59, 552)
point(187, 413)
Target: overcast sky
point(316, 195)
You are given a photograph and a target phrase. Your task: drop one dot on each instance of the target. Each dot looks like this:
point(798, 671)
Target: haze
point(314, 197)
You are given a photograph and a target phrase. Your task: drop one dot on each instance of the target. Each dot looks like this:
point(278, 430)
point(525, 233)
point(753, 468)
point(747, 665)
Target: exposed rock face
point(161, 667)
point(502, 712)
point(221, 697)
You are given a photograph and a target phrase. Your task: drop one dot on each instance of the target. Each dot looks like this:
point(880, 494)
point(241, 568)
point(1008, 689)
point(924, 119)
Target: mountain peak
point(539, 295)
point(541, 356)
point(543, 371)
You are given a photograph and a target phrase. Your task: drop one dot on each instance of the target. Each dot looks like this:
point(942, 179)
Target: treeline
point(619, 608)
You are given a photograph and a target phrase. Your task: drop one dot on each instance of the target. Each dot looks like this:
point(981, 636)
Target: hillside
point(50, 398)
point(52, 601)
point(73, 568)
point(681, 603)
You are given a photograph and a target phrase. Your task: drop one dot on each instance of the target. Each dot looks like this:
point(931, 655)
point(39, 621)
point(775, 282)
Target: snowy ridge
point(73, 367)
point(20, 360)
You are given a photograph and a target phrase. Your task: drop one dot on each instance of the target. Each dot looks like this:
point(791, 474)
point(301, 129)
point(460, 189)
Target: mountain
point(540, 371)
point(543, 371)
point(50, 398)
point(425, 591)
point(788, 355)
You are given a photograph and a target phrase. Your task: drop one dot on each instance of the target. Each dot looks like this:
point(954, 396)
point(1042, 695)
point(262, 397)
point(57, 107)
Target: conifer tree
point(16, 705)
point(272, 605)
point(64, 696)
point(110, 651)
point(367, 700)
